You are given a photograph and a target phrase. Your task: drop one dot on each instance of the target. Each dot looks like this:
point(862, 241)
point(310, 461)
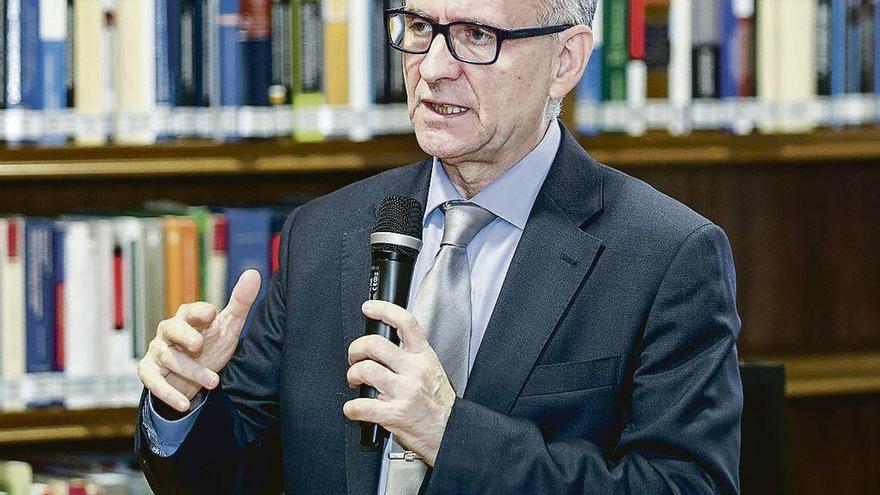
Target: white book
point(796, 65)
point(360, 70)
point(80, 313)
point(135, 57)
point(217, 262)
point(680, 71)
point(103, 238)
point(13, 311)
point(636, 96)
point(89, 71)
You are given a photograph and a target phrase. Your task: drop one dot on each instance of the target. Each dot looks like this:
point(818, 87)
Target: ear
point(576, 45)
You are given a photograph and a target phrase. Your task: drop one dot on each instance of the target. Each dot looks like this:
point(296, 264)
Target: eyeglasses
point(468, 42)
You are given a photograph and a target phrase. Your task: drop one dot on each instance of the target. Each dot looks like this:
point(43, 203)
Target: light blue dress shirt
point(510, 198)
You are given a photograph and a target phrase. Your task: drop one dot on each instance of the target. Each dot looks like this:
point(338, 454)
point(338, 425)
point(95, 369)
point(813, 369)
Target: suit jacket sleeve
point(233, 446)
point(681, 413)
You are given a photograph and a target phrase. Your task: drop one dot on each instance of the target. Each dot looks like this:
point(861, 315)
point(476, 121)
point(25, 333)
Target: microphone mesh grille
point(399, 215)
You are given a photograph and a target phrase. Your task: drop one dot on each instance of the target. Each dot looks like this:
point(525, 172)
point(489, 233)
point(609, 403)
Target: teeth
point(447, 109)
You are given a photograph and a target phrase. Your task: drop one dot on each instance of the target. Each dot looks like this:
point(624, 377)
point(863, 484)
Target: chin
point(445, 143)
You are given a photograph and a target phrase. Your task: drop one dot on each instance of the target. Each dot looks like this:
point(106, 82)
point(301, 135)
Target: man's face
point(503, 102)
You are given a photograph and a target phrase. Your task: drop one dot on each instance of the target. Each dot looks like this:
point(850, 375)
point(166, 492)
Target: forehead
point(502, 13)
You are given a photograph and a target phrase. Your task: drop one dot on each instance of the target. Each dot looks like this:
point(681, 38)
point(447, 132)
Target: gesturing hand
point(415, 396)
point(193, 346)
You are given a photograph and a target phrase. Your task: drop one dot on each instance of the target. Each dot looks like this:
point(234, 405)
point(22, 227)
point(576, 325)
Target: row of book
point(782, 65)
point(119, 61)
point(80, 474)
point(82, 295)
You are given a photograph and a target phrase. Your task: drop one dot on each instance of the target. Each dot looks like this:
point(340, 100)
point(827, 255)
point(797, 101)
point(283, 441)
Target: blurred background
point(152, 148)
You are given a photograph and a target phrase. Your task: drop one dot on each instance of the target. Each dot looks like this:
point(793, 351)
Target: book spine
point(69, 74)
point(838, 47)
point(256, 50)
point(730, 51)
point(823, 47)
point(228, 26)
point(250, 237)
point(31, 57)
point(3, 54)
point(13, 335)
point(706, 28)
point(89, 67)
point(616, 51)
point(379, 52)
point(589, 90)
point(167, 36)
point(53, 36)
point(680, 93)
point(853, 49)
point(136, 63)
point(866, 30)
point(282, 56)
point(657, 49)
point(877, 50)
point(397, 87)
point(190, 48)
point(308, 60)
point(335, 16)
point(360, 65)
point(59, 269)
point(40, 296)
point(217, 262)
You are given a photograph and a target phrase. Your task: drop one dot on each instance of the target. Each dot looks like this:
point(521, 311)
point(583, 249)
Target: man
point(588, 348)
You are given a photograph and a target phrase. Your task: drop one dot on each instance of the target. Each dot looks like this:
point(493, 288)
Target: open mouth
point(445, 109)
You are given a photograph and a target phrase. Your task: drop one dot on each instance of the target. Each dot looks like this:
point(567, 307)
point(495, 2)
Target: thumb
point(243, 295)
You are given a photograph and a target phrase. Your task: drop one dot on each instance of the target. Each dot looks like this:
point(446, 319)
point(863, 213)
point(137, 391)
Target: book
point(589, 90)
point(796, 64)
point(388, 83)
point(130, 291)
point(256, 50)
point(657, 48)
point(53, 37)
point(229, 26)
point(853, 49)
point(24, 73)
point(3, 56)
point(39, 281)
point(195, 30)
point(280, 90)
point(616, 50)
point(154, 276)
point(91, 73)
point(137, 60)
point(13, 304)
point(636, 68)
point(737, 48)
point(867, 32)
point(167, 52)
point(336, 59)
point(181, 262)
point(706, 32)
point(824, 43)
point(838, 47)
point(250, 237)
point(58, 270)
point(217, 262)
point(80, 314)
point(680, 70)
point(308, 63)
point(360, 65)
point(877, 50)
point(16, 477)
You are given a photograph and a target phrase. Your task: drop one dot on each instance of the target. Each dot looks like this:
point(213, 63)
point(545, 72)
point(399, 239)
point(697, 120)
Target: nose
point(439, 63)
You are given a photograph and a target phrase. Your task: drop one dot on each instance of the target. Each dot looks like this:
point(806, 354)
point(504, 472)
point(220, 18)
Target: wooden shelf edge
point(830, 375)
point(286, 156)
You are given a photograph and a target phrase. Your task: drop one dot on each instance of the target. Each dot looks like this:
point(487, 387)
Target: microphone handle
point(390, 277)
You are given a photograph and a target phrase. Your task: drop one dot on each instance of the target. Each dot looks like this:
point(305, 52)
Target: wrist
point(169, 413)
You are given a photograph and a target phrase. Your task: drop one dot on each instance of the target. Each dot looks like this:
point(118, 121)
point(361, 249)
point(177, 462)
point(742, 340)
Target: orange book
point(181, 262)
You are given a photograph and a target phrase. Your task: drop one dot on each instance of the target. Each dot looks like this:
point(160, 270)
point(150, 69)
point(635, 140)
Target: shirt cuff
point(165, 436)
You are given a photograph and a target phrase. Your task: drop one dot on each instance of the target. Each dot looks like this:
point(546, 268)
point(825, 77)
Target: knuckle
point(411, 321)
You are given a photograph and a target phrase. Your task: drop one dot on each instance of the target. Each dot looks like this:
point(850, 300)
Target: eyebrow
point(477, 20)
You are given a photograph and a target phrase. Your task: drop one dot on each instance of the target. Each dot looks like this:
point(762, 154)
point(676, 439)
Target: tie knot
point(462, 221)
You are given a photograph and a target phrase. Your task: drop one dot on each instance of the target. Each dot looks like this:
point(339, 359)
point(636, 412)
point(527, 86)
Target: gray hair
point(553, 12)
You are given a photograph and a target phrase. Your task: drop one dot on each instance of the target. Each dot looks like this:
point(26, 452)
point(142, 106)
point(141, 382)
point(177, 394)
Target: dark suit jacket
point(608, 366)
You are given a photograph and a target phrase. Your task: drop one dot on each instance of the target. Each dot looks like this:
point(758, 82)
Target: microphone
point(395, 244)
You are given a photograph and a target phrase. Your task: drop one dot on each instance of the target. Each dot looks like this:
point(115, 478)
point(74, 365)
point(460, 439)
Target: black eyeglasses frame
point(438, 28)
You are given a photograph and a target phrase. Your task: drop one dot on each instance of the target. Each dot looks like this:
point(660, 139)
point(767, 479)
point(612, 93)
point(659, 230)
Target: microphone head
point(398, 222)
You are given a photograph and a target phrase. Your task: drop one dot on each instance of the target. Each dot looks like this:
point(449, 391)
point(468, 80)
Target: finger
point(408, 328)
point(371, 410)
point(178, 332)
point(153, 380)
point(244, 294)
point(187, 367)
point(371, 373)
point(198, 314)
point(376, 348)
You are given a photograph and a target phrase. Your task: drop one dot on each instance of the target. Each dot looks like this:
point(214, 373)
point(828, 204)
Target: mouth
point(445, 109)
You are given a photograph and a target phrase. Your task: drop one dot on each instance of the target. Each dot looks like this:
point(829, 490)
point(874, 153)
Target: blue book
point(256, 51)
point(877, 50)
point(229, 53)
point(24, 74)
point(53, 36)
point(853, 70)
point(730, 56)
point(168, 56)
point(250, 242)
point(589, 89)
point(39, 295)
point(838, 47)
point(58, 268)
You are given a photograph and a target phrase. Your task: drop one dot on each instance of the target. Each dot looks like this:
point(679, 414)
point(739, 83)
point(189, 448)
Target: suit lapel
point(362, 466)
point(551, 261)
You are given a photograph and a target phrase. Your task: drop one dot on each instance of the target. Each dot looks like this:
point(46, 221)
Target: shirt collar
point(511, 196)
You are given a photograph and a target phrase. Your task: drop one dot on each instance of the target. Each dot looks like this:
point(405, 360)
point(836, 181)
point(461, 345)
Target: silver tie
point(443, 308)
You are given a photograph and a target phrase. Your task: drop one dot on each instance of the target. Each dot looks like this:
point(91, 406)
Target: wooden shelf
point(285, 156)
point(813, 376)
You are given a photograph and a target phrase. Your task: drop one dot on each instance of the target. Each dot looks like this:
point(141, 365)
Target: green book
point(615, 32)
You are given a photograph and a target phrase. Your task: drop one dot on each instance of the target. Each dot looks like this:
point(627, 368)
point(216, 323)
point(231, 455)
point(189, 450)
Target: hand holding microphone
point(191, 348)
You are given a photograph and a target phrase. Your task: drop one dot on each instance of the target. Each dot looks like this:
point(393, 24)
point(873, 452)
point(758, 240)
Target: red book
point(118, 289)
point(637, 29)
